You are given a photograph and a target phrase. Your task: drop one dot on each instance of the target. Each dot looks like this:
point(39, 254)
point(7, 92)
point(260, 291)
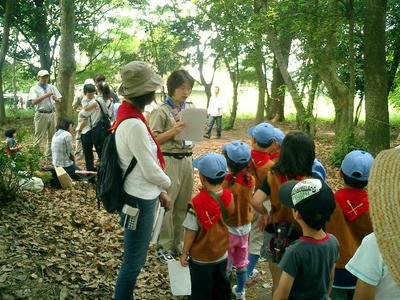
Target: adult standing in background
point(98, 79)
point(165, 125)
point(147, 182)
point(214, 110)
point(43, 96)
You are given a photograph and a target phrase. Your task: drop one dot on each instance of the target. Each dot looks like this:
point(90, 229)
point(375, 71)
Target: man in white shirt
point(43, 96)
point(215, 113)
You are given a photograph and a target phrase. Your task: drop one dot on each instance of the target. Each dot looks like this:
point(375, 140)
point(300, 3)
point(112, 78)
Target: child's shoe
point(252, 277)
point(78, 135)
point(241, 296)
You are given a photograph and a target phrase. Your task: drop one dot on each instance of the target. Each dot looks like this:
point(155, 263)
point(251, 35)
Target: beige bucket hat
point(138, 79)
point(384, 198)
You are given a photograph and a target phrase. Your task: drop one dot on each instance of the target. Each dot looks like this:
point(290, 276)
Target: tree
point(376, 85)
point(67, 68)
point(4, 48)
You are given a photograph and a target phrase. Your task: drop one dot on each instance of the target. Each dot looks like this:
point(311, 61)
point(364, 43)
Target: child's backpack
point(110, 182)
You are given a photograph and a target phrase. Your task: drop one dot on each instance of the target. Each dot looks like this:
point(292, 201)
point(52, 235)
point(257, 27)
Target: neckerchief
point(207, 208)
point(353, 202)
point(275, 155)
point(241, 178)
point(125, 111)
point(283, 179)
point(259, 158)
point(171, 103)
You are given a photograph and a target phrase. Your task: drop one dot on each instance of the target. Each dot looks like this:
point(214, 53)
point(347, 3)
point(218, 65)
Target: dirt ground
point(59, 245)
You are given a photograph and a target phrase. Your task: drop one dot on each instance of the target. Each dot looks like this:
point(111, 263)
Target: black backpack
point(101, 130)
point(110, 182)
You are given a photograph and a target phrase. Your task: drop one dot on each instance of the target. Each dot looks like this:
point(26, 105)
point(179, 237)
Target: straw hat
point(384, 198)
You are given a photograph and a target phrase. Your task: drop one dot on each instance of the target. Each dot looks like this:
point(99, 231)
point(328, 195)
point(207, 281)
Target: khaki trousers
point(44, 124)
point(180, 171)
point(256, 236)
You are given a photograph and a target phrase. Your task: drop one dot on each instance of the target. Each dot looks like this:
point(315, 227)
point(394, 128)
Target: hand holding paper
point(194, 118)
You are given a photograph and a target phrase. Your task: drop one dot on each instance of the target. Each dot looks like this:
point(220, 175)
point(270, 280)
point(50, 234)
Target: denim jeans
point(211, 125)
point(136, 244)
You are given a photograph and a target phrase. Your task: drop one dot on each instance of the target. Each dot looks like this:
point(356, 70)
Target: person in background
point(308, 264)
point(62, 149)
point(43, 97)
point(241, 185)
point(350, 222)
point(11, 142)
point(147, 182)
point(205, 228)
point(99, 78)
point(376, 261)
point(214, 110)
point(165, 124)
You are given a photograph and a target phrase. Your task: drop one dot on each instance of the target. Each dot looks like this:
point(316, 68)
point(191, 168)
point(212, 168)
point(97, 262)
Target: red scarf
point(241, 178)
point(353, 202)
point(275, 155)
point(259, 159)
point(283, 179)
point(207, 208)
point(126, 111)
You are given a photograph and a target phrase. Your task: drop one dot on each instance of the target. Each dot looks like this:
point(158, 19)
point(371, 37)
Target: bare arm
point(187, 244)
point(364, 291)
point(284, 286)
point(332, 277)
point(257, 201)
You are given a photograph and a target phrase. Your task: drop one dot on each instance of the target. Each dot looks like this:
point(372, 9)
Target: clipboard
point(195, 119)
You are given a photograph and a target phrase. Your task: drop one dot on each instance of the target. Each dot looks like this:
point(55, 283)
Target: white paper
point(179, 278)
point(195, 119)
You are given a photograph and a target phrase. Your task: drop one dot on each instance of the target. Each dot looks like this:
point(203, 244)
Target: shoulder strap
point(133, 162)
point(221, 206)
point(101, 107)
point(255, 170)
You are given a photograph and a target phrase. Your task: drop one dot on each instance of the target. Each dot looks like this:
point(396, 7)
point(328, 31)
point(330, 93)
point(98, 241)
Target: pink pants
point(238, 250)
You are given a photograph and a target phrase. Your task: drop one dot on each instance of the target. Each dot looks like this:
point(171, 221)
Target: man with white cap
point(43, 96)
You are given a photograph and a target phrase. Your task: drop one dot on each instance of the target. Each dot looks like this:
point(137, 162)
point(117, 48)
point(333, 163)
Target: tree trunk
point(42, 38)
point(352, 69)
point(4, 48)
point(303, 120)
point(376, 89)
point(262, 85)
point(66, 78)
point(234, 76)
point(207, 85)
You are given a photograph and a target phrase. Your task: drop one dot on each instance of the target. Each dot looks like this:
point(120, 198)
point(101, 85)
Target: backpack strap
point(101, 108)
point(221, 206)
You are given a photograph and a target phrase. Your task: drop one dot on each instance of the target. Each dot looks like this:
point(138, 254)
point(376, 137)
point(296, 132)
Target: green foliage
point(348, 142)
point(14, 168)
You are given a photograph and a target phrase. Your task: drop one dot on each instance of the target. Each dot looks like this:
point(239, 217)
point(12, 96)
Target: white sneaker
point(241, 296)
point(253, 277)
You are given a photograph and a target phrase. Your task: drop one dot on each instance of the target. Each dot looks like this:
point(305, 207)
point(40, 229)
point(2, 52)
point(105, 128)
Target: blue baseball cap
point(262, 133)
point(237, 151)
point(318, 169)
point(357, 165)
point(279, 135)
point(211, 165)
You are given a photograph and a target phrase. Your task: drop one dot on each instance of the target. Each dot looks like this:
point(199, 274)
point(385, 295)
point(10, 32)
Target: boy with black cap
point(308, 264)
point(206, 238)
point(350, 221)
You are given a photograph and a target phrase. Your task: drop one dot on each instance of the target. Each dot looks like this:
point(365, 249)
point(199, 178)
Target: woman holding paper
point(165, 125)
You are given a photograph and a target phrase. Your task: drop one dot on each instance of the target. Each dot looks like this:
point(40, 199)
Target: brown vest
point(349, 234)
point(210, 245)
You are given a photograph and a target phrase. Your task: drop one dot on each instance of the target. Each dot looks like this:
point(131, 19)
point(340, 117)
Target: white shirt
point(38, 91)
point(367, 264)
point(147, 180)
point(93, 115)
point(215, 107)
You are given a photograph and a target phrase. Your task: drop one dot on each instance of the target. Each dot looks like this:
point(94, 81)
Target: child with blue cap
point(279, 136)
point(206, 238)
point(350, 222)
point(263, 143)
point(241, 184)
